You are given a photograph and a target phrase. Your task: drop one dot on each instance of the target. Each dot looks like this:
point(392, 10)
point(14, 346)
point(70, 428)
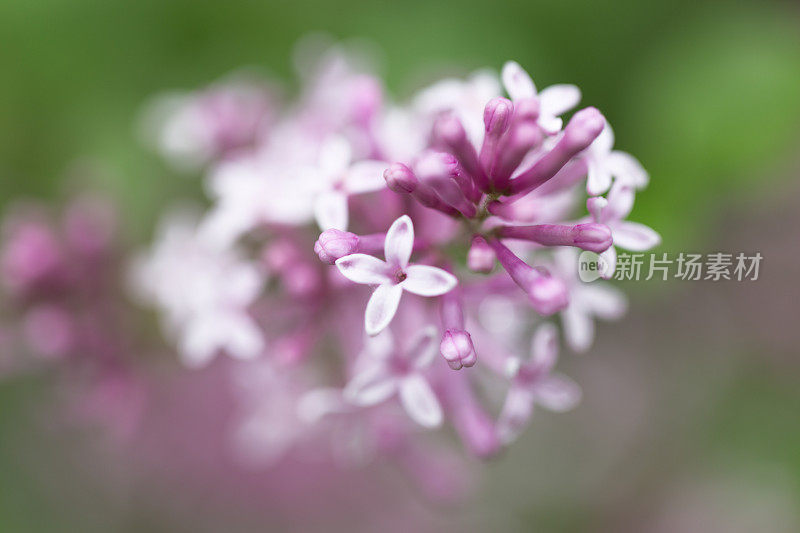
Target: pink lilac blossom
point(467, 200)
point(63, 311)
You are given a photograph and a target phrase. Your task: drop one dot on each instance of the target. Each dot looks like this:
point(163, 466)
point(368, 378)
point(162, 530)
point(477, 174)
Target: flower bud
point(583, 129)
point(457, 349)
point(480, 257)
point(333, 244)
point(400, 178)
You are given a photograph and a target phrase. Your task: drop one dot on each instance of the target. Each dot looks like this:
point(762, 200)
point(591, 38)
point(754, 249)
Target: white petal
point(423, 348)
point(627, 169)
point(609, 261)
point(428, 281)
point(318, 403)
point(550, 123)
point(604, 142)
point(420, 402)
point(599, 179)
point(330, 210)
point(558, 393)
point(363, 268)
point(558, 99)
point(380, 346)
point(334, 156)
point(370, 387)
point(544, 347)
point(365, 176)
point(381, 307)
point(597, 207)
point(578, 328)
point(515, 414)
point(604, 301)
point(634, 236)
point(517, 82)
point(399, 242)
point(244, 338)
point(620, 202)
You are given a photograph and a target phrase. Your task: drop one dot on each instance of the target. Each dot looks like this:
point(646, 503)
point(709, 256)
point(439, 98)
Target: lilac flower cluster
point(64, 311)
point(363, 258)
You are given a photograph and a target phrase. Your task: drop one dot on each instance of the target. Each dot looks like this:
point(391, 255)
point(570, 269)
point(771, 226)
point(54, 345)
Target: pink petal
point(635, 237)
point(424, 347)
point(517, 82)
point(318, 403)
point(330, 210)
point(365, 176)
point(428, 281)
point(399, 242)
point(381, 307)
point(371, 386)
point(558, 99)
point(362, 268)
point(420, 402)
point(558, 393)
point(544, 347)
point(515, 414)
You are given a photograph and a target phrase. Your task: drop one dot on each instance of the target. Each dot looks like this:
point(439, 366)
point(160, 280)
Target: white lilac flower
point(587, 301)
point(604, 163)
point(554, 101)
point(394, 275)
point(612, 212)
point(343, 178)
point(204, 293)
point(383, 372)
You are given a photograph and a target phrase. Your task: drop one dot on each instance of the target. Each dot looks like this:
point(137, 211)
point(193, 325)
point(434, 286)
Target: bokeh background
point(691, 413)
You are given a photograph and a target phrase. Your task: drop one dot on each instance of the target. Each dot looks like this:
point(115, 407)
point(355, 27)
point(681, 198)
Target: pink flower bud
point(480, 257)
point(333, 244)
point(457, 349)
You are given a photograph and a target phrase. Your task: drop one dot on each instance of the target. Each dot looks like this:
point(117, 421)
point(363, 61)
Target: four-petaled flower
point(603, 163)
point(625, 234)
point(553, 101)
point(383, 371)
point(340, 178)
point(393, 275)
point(534, 382)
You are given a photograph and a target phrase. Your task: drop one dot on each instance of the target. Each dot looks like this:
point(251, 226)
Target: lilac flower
point(481, 189)
point(612, 212)
point(193, 129)
point(554, 101)
point(204, 292)
point(532, 382)
point(604, 164)
point(587, 301)
point(383, 373)
point(343, 179)
point(393, 276)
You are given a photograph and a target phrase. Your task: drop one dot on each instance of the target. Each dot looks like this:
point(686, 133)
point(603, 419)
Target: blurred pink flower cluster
point(65, 310)
point(369, 257)
point(375, 269)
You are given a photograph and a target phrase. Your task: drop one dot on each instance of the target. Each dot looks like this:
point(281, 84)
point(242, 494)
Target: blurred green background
point(706, 93)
